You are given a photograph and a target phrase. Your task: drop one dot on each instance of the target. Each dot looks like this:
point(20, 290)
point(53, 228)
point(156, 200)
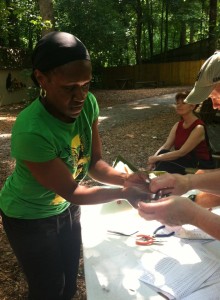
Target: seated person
point(189, 141)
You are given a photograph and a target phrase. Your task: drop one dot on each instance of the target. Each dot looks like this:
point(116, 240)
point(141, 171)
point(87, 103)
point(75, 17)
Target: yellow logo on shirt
point(57, 200)
point(78, 155)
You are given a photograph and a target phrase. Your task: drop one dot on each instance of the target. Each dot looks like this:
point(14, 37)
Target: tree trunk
point(166, 27)
point(192, 32)
point(162, 27)
point(13, 33)
point(150, 27)
point(47, 14)
point(212, 26)
point(139, 31)
point(183, 35)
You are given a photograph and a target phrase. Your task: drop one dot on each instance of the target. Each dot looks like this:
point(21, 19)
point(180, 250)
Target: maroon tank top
point(201, 151)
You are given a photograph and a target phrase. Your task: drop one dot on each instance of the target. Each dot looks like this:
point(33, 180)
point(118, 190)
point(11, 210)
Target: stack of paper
point(187, 272)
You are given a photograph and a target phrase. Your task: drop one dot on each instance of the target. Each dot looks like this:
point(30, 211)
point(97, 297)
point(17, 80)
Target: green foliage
point(39, 24)
point(98, 25)
point(111, 29)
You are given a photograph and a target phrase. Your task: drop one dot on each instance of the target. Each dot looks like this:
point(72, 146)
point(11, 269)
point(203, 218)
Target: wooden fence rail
point(171, 73)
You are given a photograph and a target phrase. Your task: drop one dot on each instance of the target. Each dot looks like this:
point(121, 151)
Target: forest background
point(116, 32)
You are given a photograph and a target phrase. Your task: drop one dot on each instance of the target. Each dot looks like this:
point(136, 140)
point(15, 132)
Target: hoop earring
point(43, 93)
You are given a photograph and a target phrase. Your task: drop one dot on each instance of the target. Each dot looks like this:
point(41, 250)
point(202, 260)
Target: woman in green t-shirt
point(56, 143)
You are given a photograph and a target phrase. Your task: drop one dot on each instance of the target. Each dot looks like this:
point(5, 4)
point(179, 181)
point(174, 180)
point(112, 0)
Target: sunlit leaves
point(109, 27)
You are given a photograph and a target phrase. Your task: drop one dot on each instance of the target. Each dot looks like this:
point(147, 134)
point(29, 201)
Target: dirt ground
point(135, 139)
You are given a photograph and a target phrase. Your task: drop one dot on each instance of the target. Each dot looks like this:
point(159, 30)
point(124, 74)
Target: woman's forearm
point(94, 195)
point(83, 195)
point(170, 155)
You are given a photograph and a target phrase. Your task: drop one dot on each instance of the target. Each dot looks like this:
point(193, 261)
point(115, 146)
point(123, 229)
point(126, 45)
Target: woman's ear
point(40, 77)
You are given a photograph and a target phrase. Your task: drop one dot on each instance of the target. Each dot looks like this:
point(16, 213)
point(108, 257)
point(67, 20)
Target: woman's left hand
point(138, 179)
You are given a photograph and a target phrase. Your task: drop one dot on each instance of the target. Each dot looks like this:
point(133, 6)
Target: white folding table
point(111, 261)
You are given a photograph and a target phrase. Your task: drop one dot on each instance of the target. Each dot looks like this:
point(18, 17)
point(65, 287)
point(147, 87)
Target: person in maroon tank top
point(187, 144)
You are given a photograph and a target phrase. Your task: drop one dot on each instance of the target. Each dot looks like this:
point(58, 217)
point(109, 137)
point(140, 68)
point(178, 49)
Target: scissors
point(146, 240)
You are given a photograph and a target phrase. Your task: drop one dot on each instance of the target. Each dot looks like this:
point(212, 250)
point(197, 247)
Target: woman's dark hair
point(183, 95)
point(56, 49)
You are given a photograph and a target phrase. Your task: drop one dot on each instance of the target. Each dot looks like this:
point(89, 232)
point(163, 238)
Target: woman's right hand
point(134, 194)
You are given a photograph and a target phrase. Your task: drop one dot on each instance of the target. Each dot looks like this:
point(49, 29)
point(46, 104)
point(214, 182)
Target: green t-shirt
point(37, 136)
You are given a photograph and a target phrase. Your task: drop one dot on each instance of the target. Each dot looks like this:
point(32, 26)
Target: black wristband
point(192, 197)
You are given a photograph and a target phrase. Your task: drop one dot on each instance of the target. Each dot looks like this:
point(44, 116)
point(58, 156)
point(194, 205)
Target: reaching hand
point(171, 184)
point(172, 211)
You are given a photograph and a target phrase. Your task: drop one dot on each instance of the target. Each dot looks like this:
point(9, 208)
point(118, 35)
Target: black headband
point(56, 49)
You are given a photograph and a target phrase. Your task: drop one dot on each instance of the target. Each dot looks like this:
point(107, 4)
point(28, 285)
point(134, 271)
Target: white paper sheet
point(210, 292)
point(181, 273)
